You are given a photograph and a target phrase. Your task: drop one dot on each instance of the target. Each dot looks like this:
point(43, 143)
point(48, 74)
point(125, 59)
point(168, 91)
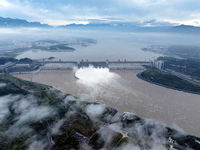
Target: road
point(183, 76)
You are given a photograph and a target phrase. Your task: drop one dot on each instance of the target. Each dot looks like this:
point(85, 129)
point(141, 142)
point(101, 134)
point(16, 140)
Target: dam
point(70, 65)
point(112, 65)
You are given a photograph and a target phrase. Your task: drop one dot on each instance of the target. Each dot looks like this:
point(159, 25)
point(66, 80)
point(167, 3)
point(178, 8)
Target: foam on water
point(92, 76)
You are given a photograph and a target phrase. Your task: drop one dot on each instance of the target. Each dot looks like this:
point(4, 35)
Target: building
point(159, 64)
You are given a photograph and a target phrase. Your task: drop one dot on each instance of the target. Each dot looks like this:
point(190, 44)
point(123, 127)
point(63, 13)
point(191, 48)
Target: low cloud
point(4, 3)
point(95, 110)
point(30, 111)
point(145, 134)
point(38, 145)
point(2, 85)
point(27, 111)
point(56, 126)
point(5, 102)
point(60, 13)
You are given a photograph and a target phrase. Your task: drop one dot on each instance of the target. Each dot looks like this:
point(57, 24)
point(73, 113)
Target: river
point(127, 93)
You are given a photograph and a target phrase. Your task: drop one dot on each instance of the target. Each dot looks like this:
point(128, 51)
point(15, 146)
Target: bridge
point(112, 65)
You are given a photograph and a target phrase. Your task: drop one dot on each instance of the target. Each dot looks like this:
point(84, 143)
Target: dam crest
point(112, 65)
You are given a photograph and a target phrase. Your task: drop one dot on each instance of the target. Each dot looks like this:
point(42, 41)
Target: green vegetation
point(96, 141)
point(184, 51)
point(147, 129)
point(18, 86)
point(60, 47)
point(23, 68)
point(42, 115)
point(65, 140)
point(123, 141)
point(105, 114)
point(22, 83)
point(4, 60)
point(51, 58)
point(47, 97)
point(131, 122)
point(115, 139)
point(15, 65)
point(83, 123)
point(186, 66)
point(158, 77)
point(25, 61)
point(77, 120)
point(12, 88)
point(14, 143)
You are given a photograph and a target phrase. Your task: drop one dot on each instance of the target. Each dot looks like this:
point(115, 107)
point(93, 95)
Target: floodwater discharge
point(127, 93)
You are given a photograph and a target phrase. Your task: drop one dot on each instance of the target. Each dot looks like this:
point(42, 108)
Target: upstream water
point(111, 49)
point(111, 45)
point(127, 93)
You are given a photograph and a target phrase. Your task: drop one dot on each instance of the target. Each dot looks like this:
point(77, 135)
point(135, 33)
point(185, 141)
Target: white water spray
point(93, 76)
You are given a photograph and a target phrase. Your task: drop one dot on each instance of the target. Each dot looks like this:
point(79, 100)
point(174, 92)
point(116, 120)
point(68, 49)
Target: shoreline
point(130, 94)
point(165, 86)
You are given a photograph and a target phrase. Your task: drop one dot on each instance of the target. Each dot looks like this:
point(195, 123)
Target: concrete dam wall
point(128, 65)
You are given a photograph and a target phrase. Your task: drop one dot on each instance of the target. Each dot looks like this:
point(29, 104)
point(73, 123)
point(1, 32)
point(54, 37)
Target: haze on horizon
point(142, 13)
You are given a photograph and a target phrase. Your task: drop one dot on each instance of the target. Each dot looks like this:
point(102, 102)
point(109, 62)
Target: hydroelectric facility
point(112, 65)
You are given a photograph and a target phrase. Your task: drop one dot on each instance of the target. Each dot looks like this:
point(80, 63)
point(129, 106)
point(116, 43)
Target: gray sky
point(144, 12)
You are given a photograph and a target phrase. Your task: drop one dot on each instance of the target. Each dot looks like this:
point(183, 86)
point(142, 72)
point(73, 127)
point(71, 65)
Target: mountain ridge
point(187, 29)
point(10, 22)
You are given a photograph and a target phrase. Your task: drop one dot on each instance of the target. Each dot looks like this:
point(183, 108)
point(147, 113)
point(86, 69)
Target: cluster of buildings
point(159, 64)
point(15, 45)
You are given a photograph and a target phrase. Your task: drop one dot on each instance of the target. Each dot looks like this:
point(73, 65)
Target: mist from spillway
point(95, 76)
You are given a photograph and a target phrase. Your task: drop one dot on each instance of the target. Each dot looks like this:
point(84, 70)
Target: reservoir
point(109, 45)
point(111, 49)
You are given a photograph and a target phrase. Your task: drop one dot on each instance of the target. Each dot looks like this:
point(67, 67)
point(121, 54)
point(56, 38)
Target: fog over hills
point(39, 117)
point(185, 29)
point(10, 22)
point(130, 27)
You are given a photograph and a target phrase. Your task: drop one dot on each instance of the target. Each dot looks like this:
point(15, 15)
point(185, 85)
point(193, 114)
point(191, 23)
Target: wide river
point(127, 93)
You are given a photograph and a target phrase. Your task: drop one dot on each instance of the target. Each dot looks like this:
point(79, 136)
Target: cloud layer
point(66, 12)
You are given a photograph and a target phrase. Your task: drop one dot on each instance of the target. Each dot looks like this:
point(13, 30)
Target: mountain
point(9, 22)
point(185, 29)
point(117, 26)
point(101, 26)
point(113, 26)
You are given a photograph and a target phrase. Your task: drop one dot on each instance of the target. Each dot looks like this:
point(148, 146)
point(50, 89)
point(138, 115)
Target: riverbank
point(128, 93)
point(69, 123)
point(166, 80)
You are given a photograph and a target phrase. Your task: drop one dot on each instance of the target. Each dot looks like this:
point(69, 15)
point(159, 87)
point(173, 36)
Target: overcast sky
point(146, 12)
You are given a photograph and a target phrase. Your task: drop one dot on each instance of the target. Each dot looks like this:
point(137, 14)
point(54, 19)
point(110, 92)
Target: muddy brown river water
point(127, 93)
